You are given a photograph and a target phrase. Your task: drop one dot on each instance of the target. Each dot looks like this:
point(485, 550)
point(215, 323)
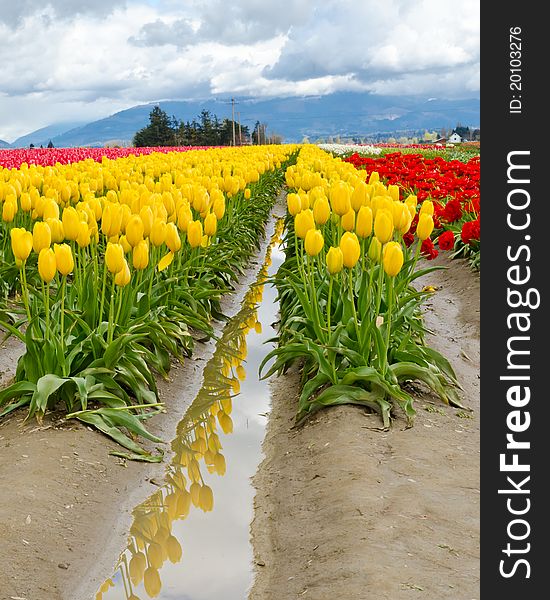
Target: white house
point(454, 138)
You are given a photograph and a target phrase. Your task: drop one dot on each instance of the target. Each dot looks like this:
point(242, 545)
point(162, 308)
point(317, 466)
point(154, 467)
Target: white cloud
point(66, 59)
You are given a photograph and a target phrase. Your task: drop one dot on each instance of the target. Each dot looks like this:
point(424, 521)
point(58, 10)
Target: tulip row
point(16, 158)
point(452, 185)
point(197, 444)
point(348, 308)
point(111, 269)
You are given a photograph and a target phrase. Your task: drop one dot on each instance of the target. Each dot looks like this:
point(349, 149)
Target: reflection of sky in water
point(217, 555)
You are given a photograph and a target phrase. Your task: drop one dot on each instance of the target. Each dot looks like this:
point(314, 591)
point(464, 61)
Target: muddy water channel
point(190, 539)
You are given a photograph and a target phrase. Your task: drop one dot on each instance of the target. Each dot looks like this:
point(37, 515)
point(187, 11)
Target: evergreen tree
point(159, 132)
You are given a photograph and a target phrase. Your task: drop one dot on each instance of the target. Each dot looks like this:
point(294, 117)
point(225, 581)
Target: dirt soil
point(345, 510)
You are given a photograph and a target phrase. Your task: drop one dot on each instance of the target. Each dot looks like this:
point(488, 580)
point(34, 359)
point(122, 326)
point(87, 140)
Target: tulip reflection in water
point(196, 447)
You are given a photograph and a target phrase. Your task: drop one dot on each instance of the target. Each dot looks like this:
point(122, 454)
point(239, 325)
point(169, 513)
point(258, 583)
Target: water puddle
point(190, 539)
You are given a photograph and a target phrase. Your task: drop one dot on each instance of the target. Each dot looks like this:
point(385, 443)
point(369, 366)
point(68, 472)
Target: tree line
point(206, 130)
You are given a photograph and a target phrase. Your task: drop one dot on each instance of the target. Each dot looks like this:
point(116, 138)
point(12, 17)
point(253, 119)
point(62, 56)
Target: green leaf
point(45, 387)
point(122, 418)
point(150, 458)
point(98, 422)
point(15, 390)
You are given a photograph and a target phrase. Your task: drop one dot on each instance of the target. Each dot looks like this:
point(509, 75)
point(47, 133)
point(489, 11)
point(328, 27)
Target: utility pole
point(233, 118)
point(240, 138)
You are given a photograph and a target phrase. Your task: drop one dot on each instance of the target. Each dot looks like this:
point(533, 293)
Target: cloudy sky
point(77, 60)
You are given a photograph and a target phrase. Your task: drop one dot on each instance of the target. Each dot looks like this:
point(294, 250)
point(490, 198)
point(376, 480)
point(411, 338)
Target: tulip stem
point(102, 302)
point(388, 319)
point(329, 300)
point(119, 307)
point(62, 316)
point(111, 315)
point(46, 294)
point(315, 308)
point(352, 295)
point(25, 292)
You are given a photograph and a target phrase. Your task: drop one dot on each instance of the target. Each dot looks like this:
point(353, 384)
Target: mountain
point(4, 144)
point(342, 114)
point(44, 135)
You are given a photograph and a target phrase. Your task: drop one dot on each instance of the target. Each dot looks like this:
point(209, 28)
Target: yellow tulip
point(210, 225)
point(375, 250)
point(383, 226)
point(137, 566)
point(425, 226)
point(340, 197)
point(51, 210)
point(9, 210)
point(303, 222)
point(63, 258)
point(360, 196)
point(151, 582)
point(140, 256)
point(41, 236)
point(218, 206)
point(84, 235)
point(71, 222)
point(195, 490)
point(158, 232)
point(374, 178)
point(56, 228)
point(155, 554)
point(21, 243)
point(321, 210)
point(134, 230)
point(124, 243)
point(411, 201)
point(194, 234)
point(393, 191)
point(392, 258)
point(173, 548)
point(335, 260)
point(348, 220)
point(114, 257)
point(147, 218)
point(111, 219)
point(427, 208)
point(363, 225)
point(185, 216)
point(47, 265)
point(294, 204)
point(314, 242)
point(206, 498)
point(219, 464)
point(247, 194)
point(26, 203)
point(351, 250)
point(225, 421)
point(405, 223)
point(173, 240)
point(122, 278)
point(165, 261)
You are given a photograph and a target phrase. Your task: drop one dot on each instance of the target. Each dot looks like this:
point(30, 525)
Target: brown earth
point(345, 510)
point(342, 509)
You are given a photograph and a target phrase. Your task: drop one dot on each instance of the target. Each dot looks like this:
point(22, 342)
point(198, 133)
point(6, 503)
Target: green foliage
point(159, 132)
point(208, 130)
point(375, 345)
